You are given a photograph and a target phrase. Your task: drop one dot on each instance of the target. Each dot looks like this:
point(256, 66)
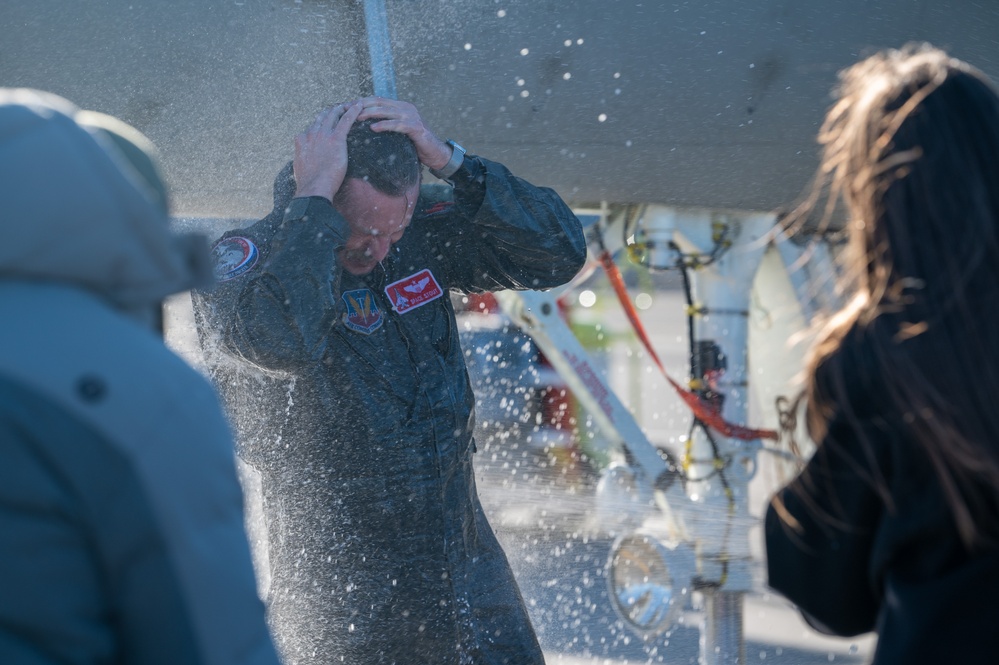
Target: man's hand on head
point(392, 115)
point(321, 151)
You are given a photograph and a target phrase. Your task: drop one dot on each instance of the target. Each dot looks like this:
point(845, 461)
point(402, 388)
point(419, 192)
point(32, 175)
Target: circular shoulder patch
point(233, 256)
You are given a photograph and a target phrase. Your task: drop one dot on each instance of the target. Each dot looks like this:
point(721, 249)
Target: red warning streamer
point(703, 411)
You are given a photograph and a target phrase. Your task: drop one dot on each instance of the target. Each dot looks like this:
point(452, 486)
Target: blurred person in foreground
point(893, 526)
point(121, 522)
point(339, 356)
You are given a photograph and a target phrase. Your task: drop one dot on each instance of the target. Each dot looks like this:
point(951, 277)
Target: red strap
point(703, 411)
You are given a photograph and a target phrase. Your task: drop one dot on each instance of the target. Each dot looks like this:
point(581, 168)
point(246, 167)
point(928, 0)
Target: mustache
point(355, 253)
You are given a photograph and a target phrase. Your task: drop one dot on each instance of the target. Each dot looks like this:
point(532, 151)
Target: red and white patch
point(234, 256)
point(411, 292)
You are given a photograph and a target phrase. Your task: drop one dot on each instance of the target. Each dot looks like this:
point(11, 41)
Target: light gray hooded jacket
point(121, 518)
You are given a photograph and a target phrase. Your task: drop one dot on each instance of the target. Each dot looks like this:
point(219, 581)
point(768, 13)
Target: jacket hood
point(84, 204)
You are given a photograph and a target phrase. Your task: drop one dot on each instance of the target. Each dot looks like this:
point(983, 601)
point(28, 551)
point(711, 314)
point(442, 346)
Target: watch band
point(453, 164)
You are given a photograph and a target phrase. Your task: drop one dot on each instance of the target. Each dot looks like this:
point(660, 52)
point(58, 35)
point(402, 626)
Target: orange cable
point(703, 411)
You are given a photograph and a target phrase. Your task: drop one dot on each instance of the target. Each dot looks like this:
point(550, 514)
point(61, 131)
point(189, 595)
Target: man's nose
point(378, 247)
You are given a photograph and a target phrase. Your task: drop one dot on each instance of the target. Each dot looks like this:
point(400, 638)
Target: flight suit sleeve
point(505, 233)
point(287, 307)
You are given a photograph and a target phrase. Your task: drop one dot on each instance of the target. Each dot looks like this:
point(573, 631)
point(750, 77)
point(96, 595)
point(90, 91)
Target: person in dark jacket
point(121, 516)
point(334, 338)
point(893, 526)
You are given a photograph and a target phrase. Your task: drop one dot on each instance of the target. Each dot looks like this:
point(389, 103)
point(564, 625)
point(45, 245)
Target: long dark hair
point(911, 148)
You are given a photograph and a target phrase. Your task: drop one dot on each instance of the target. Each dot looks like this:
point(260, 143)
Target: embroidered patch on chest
point(233, 256)
point(411, 292)
point(362, 314)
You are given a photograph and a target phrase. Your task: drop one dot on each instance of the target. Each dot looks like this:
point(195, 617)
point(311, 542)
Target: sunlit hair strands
point(911, 149)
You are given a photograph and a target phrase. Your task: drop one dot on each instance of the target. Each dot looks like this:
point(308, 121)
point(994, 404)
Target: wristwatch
point(453, 164)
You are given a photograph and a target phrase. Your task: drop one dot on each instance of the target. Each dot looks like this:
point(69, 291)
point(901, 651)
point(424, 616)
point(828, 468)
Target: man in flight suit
point(339, 356)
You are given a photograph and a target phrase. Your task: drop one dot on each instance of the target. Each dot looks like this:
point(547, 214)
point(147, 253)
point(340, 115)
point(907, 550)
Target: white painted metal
point(537, 313)
point(713, 513)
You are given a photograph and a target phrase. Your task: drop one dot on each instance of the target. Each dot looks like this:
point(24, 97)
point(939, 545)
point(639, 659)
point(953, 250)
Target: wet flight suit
point(350, 396)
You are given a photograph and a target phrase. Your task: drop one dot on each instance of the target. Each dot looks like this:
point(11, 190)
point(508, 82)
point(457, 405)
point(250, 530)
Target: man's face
point(376, 220)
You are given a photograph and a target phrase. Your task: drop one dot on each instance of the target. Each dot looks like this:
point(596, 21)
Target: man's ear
point(341, 194)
